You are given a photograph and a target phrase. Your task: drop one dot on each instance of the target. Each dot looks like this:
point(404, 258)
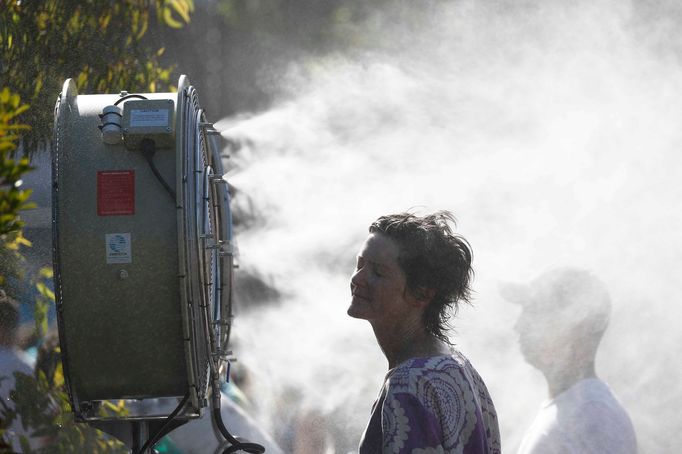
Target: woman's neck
point(408, 343)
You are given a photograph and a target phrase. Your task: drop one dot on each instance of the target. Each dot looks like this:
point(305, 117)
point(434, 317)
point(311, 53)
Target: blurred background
point(549, 128)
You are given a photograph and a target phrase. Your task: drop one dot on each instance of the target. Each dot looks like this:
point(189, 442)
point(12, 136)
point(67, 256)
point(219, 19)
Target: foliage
point(309, 24)
point(12, 197)
point(101, 45)
point(44, 300)
point(42, 405)
point(104, 47)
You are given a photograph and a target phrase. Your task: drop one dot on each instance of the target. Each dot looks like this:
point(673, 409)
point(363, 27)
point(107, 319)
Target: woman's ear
point(423, 296)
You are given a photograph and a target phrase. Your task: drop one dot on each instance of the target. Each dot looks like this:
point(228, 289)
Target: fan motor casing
point(132, 266)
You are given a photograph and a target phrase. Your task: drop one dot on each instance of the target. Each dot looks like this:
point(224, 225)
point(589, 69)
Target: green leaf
point(182, 8)
point(167, 15)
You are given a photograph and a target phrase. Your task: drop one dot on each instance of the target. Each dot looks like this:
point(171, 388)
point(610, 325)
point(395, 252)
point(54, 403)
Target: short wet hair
point(433, 257)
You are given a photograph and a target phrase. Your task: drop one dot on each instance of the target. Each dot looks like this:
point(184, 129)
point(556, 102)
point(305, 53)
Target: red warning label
point(115, 192)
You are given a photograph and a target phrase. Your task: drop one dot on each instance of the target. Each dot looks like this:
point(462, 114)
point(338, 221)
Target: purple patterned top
point(433, 405)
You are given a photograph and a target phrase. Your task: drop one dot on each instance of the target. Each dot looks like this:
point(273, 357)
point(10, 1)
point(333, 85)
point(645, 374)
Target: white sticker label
point(149, 117)
point(118, 248)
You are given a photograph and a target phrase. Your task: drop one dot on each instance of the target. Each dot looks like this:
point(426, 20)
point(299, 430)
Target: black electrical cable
point(123, 98)
point(148, 150)
point(246, 446)
point(253, 448)
point(159, 433)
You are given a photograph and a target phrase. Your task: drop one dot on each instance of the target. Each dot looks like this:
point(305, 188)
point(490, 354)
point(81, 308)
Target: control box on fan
point(150, 119)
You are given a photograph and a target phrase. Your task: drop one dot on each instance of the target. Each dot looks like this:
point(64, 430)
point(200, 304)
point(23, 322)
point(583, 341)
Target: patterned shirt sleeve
point(432, 409)
point(409, 427)
point(433, 405)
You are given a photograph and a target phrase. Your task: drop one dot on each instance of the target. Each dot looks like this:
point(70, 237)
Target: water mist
point(550, 129)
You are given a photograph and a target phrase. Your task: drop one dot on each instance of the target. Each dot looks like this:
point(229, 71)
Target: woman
point(411, 272)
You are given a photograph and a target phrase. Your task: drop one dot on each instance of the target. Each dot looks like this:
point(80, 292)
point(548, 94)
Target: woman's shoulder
point(433, 364)
point(442, 367)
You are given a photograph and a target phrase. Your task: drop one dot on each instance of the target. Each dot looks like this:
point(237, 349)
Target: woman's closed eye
point(378, 271)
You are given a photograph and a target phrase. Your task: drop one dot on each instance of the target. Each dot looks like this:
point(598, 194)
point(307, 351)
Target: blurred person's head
point(564, 313)
point(49, 356)
point(419, 259)
point(9, 320)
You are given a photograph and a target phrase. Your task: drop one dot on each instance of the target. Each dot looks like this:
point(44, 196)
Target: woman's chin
point(355, 311)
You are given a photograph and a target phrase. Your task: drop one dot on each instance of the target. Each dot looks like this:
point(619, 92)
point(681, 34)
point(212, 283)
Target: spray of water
point(550, 129)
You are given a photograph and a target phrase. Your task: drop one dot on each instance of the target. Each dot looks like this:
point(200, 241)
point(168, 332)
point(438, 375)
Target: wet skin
point(378, 285)
point(380, 295)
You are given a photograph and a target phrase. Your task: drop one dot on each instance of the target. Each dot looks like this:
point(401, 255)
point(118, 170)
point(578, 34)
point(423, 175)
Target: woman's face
point(378, 285)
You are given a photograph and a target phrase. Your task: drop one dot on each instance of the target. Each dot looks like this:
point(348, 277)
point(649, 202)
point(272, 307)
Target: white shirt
point(584, 419)
point(197, 436)
point(13, 360)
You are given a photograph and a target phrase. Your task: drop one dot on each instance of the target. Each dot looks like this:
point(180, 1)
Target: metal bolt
point(168, 129)
point(123, 274)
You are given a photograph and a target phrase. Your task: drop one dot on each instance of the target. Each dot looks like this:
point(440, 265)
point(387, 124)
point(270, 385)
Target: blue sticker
point(118, 248)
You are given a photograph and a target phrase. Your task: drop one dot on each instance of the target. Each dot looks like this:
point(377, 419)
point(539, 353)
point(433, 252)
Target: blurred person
point(48, 356)
point(301, 429)
point(201, 435)
point(564, 315)
point(12, 360)
point(198, 436)
point(411, 273)
point(312, 433)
